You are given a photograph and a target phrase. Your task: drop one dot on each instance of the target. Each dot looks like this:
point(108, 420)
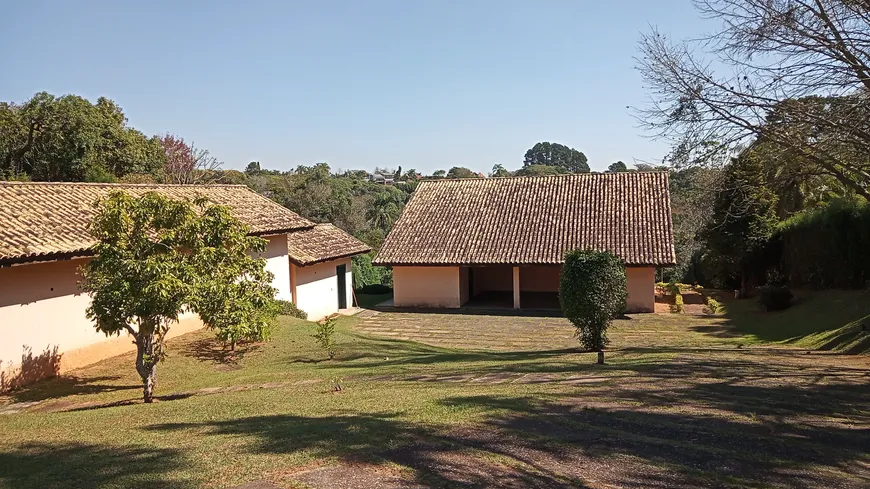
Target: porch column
point(516, 287)
point(293, 284)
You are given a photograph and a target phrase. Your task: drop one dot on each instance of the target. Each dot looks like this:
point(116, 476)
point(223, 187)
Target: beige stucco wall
point(317, 288)
point(43, 323)
point(641, 289)
point(426, 287)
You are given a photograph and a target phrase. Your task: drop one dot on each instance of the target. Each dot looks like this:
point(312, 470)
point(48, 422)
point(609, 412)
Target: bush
point(325, 335)
point(774, 297)
point(364, 273)
point(288, 308)
point(824, 248)
point(375, 289)
point(592, 291)
point(677, 307)
point(713, 306)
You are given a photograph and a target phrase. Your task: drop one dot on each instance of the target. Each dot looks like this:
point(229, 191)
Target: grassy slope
point(233, 437)
point(824, 320)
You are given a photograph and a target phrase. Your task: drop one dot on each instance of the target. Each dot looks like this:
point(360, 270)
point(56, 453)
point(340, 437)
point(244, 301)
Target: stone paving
point(476, 331)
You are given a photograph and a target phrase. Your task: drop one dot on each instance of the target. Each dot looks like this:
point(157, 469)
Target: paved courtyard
point(516, 333)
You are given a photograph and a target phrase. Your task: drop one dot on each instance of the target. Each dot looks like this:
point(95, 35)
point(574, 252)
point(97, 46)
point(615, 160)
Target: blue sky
point(358, 84)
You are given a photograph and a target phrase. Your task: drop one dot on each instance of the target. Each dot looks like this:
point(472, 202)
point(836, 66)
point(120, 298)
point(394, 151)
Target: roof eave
point(326, 259)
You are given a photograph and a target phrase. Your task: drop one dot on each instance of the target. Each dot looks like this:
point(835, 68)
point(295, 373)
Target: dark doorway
point(341, 273)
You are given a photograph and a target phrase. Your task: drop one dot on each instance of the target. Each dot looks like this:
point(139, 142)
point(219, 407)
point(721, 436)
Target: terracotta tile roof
point(534, 220)
point(321, 243)
point(39, 220)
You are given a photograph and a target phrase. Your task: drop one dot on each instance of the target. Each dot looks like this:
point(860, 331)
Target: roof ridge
point(560, 175)
point(121, 184)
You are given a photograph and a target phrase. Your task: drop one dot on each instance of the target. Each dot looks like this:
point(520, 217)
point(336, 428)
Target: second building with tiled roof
point(501, 241)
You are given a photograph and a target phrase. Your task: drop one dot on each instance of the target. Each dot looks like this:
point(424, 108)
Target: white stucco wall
point(426, 287)
point(278, 263)
point(317, 288)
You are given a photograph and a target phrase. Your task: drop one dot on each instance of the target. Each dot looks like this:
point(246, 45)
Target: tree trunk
point(601, 357)
point(149, 349)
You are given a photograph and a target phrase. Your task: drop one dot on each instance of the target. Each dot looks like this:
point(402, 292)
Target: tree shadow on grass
point(87, 466)
point(696, 449)
point(212, 350)
point(68, 385)
point(551, 441)
point(438, 459)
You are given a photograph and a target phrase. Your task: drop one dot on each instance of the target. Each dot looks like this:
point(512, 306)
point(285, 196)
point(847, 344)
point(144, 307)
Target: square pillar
point(293, 284)
point(516, 287)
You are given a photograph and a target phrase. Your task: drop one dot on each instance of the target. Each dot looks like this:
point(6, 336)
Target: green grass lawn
point(679, 404)
point(834, 320)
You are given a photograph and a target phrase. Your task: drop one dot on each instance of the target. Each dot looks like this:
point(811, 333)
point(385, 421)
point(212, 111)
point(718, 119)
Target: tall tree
point(155, 257)
point(783, 70)
point(461, 172)
point(70, 139)
point(539, 171)
point(498, 170)
point(742, 220)
point(617, 167)
point(253, 168)
point(558, 155)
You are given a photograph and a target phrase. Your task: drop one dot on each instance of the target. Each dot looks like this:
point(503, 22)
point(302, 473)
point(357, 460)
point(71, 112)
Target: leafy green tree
point(70, 139)
point(253, 168)
point(742, 221)
point(439, 174)
point(539, 171)
point(233, 294)
point(498, 170)
point(461, 172)
point(558, 155)
point(412, 175)
point(385, 210)
point(157, 257)
point(593, 292)
point(617, 167)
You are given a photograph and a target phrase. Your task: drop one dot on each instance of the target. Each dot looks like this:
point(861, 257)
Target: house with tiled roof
point(502, 241)
point(44, 240)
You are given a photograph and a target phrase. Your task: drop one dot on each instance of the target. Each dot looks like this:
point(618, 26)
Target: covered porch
point(506, 286)
point(529, 287)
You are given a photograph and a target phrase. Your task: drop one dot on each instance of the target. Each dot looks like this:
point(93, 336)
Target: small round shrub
point(677, 307)
point(289, 309)
point(592, 291)
point(774, 297)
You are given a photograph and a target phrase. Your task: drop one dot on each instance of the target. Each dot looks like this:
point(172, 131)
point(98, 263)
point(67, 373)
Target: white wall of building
point(317, 288)
point(278, 263)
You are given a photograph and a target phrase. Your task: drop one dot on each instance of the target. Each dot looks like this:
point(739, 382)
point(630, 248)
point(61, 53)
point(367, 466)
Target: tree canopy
point(156, 257)
point(796, 74)
point(554, 154)
point(461, 172)
point(617, 167)
point(68, 138)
